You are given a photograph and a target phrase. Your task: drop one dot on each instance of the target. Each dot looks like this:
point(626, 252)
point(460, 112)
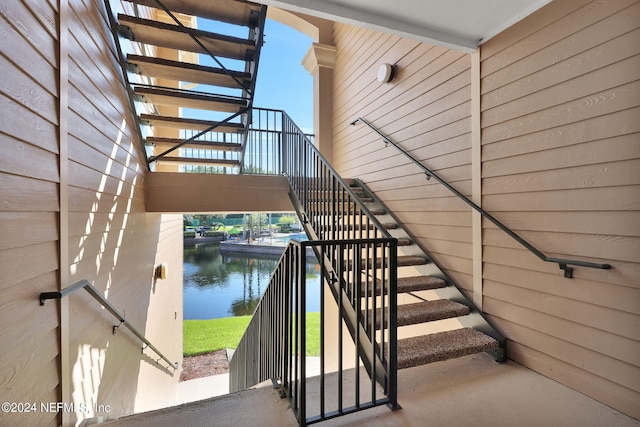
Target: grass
point(205, 336)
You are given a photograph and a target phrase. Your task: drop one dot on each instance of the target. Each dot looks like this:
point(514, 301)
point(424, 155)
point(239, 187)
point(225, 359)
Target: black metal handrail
point(275, 342)
point(563, 263)
point(84, 284)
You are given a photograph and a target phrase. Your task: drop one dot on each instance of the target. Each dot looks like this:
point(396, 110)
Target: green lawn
point(205, 336)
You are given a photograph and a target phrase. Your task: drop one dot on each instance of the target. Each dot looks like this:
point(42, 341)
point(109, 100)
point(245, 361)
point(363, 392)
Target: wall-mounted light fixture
point(161, 271)
point(386, 73)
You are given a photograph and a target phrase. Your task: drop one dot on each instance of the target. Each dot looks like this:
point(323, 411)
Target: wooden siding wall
point(112, 241)
point(426, 109)
point(561, 165)
point(29, 209)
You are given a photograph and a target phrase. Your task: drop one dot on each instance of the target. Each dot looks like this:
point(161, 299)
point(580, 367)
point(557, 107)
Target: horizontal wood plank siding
point(29, 209)
point(113, 242)
point(561, 166)
point(426, 109)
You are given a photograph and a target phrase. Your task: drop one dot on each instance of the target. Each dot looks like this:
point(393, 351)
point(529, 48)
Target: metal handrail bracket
point(563, 263)
point(84, 284)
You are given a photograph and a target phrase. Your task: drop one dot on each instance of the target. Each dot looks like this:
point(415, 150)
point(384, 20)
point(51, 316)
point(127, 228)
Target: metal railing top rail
point(84, 284)
point(562, 262)
point(354, 198)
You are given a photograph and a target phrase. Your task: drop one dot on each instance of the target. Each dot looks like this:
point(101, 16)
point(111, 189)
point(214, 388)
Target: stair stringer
point(475, 319)
point(257, 34)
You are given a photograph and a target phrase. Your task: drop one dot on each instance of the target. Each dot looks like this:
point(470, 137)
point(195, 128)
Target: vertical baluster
point(374, 315)
point(392, 392)
point(356, 286)
point(296, 341)
point(322, 355)
point(340, 270)
point(302, 310)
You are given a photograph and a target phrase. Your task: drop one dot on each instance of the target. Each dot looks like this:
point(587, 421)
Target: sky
point(283, 83)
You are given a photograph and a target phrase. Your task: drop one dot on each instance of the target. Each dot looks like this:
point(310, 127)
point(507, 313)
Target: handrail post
point(302, 318)
point(393, 326)
point(284, 147)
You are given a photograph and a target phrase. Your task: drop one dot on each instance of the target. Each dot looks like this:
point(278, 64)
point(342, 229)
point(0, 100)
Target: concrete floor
point(472, 390)
point(203, 388)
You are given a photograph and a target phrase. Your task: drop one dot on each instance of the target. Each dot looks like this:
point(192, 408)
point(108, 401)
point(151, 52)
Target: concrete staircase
point(428, 297)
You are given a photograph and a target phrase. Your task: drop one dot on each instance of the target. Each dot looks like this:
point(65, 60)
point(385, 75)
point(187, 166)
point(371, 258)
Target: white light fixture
point(386, 73)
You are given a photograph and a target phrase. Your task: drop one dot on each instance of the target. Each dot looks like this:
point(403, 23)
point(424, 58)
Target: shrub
point(215, 233)
point(286, 222)
point(189, 234)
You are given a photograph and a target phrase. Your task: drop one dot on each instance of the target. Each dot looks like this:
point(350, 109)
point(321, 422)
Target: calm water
point(217, 285)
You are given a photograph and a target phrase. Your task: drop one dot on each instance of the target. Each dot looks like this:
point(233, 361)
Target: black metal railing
point(84, 284)
point(326, 204)
point(262, 149)
point(264, 153)
point(331, 212)
point(276, 342)
point(563, 263)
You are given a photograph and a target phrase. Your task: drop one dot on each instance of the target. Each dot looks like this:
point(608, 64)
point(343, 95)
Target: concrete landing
point(471, 390)
point(203, 388)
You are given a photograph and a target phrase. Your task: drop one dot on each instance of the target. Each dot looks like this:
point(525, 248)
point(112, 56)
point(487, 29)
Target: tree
point(286, 222)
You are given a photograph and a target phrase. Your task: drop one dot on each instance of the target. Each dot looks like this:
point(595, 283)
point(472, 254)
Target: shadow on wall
point(116, 248)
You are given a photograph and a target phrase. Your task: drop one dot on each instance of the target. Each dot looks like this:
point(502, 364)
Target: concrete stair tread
point(403, 261)
point(404, 242)
point(440, 346)
point(410, 260)
point(420, 283)
point(425, 311)
point(412, 284)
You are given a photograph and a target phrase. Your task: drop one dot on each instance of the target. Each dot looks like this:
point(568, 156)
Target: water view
point(222, 285)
